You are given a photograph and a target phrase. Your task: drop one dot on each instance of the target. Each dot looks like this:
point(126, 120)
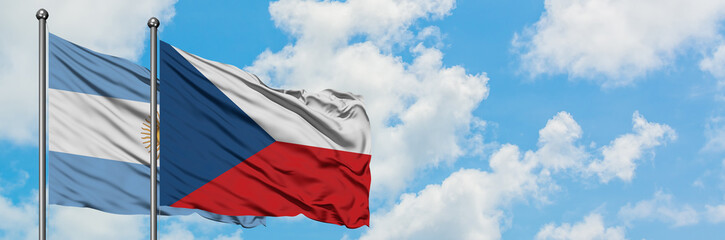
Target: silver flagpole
point(42, 16)
point(153, 24)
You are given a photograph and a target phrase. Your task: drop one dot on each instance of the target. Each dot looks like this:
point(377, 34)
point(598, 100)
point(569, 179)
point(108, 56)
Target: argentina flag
point(98, 129)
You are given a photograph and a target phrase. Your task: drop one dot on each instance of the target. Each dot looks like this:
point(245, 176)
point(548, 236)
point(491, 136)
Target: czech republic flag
point(231, 145)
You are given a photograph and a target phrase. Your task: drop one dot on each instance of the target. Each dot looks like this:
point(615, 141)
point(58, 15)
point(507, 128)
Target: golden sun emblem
point(146, 134)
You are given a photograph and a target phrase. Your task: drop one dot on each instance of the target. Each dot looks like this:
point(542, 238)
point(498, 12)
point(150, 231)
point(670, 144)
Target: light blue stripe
point(112, 186)
point(78, 69)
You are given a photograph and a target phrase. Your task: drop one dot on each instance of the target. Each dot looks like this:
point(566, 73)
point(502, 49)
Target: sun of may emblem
point(146, 134)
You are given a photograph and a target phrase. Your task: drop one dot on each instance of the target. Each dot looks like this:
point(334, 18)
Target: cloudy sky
point(528, 119)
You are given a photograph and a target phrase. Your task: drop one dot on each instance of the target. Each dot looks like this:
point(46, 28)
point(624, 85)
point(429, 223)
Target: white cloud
point(19, 219)
point(465, 206)
point(330, 23)
point(715, 135)
point(591, 228)
point(662, 208)
point(112, 27)
point(715, 214)
point(177, 232)
point(86, 223)
point(618, 40)
point(557, 148)
point(620, 155)
point(470, 203)
point(234, 236)
point(418, 110)
point(715, 64)
point(195, 227)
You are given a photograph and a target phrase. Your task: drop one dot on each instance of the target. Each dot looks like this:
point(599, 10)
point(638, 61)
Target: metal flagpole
point(153, 24)
point(42, 16)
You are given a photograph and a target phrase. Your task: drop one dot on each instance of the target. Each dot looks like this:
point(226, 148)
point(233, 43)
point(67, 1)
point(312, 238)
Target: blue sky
point(585, 119)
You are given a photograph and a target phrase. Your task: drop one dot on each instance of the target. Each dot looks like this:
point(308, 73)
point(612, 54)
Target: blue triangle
point(203, 133)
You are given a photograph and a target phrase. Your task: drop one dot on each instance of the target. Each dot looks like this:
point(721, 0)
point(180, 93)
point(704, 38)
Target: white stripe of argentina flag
point(99, 135)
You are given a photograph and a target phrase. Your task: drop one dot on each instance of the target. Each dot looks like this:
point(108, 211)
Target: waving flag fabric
point(233, 146)
point(98, 134)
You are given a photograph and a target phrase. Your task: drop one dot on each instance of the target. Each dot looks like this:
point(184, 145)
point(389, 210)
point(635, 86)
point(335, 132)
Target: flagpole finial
point(41, 14)
point(154, 22)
